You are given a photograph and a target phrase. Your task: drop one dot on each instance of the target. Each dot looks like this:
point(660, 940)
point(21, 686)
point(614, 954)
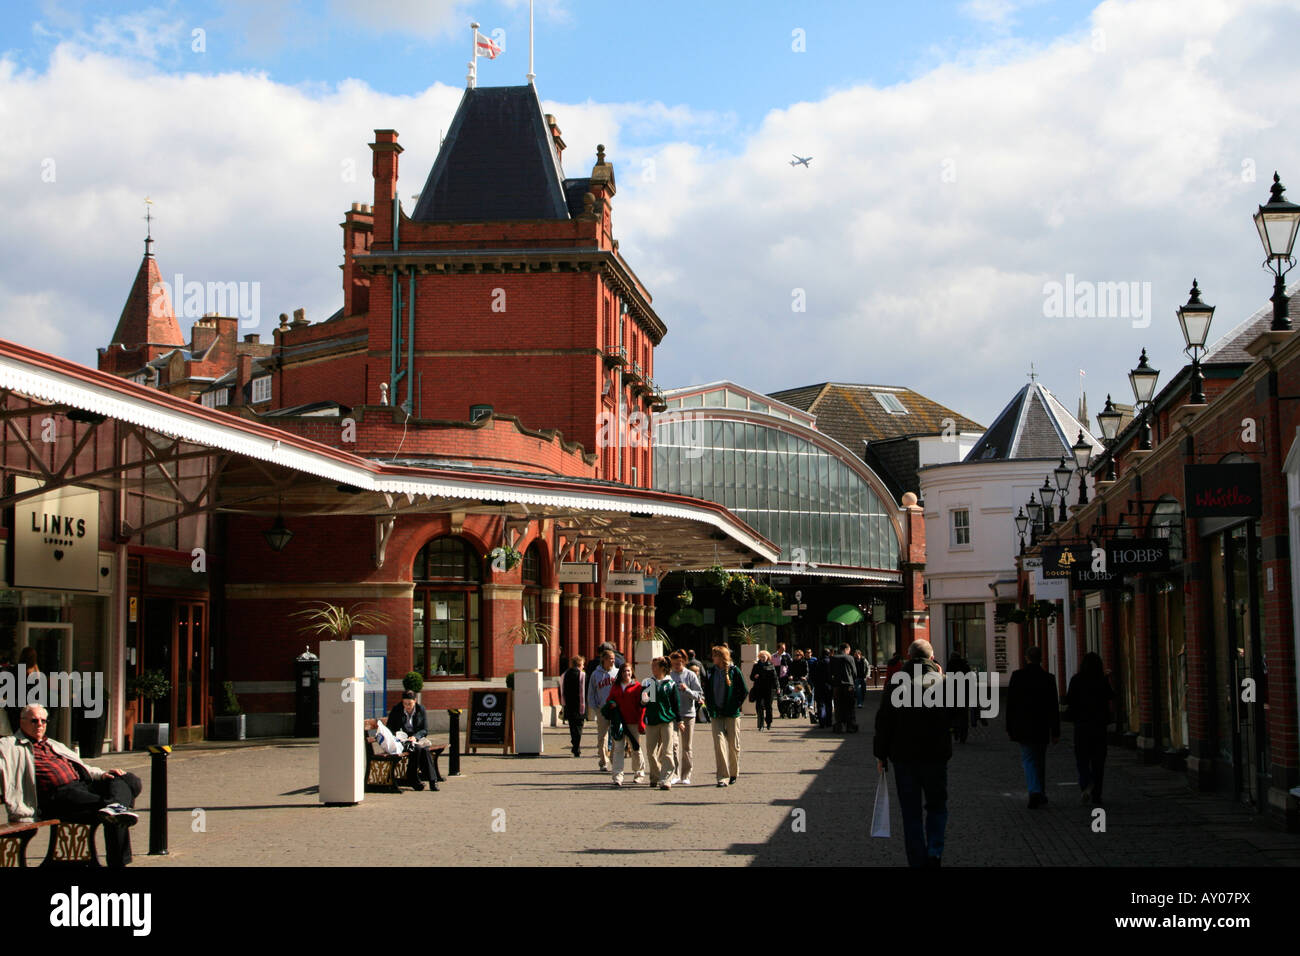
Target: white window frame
point(953, 529)
point(260, 390)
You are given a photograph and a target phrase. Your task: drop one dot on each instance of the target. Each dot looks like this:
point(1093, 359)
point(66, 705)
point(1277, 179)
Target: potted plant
point(686, 598)
point(504, 558)
point(738, 588)
point(150, 686)
point(413, 680)
point(333, 622)
point(230, 722)
point(655, 634)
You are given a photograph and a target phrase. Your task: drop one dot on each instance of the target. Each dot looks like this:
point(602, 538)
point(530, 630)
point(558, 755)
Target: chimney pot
point(252, 338)
point(300, 317)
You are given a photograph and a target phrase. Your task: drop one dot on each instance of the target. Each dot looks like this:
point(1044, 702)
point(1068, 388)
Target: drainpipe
point(410, 344)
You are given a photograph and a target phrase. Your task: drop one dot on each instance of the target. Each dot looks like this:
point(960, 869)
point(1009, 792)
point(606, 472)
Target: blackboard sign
point(1222, 491)
point(491, 720)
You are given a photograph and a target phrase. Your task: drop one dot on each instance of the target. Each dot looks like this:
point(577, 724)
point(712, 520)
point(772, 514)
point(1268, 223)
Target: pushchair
point(792, 703)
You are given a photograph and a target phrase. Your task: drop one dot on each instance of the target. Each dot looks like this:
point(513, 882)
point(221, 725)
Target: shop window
point(1167, 523)
point(964, 625)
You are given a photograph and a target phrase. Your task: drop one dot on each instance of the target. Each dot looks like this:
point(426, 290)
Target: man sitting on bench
point(43, 776)
point(408, 717)
point(416, 756)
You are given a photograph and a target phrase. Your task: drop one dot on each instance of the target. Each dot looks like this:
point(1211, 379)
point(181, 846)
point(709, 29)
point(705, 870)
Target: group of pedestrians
point(652, 719)
point(917, 741)
point(833, 685)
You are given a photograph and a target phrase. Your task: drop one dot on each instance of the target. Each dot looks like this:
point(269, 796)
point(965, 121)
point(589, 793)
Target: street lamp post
point(1048, 494)
point(1143, 379)
point(1108, 419)
point(1034, 509)
point(1277, 222)
point(1062, 474)
point(1194, 319)
point(1022, 525)
point(1082, 456)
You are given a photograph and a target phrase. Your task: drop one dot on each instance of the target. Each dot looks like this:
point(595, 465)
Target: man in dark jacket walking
point(918, 741)
point(843, 676)
point(1033, 717)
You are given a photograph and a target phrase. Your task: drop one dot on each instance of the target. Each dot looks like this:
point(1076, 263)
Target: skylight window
point(889, 401)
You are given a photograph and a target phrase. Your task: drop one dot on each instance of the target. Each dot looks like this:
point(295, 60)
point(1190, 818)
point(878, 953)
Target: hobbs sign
point(56, 538)
point(1134, 555)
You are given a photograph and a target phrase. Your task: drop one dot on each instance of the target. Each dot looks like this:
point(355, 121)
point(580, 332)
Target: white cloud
point(933, 214)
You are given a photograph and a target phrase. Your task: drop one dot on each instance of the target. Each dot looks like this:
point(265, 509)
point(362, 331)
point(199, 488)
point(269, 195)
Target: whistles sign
point(1222, 491)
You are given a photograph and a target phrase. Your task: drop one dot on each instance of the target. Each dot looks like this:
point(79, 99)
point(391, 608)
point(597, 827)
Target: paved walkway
point(260, 809)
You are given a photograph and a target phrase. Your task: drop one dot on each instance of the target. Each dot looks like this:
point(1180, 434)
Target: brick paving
point(260, 809)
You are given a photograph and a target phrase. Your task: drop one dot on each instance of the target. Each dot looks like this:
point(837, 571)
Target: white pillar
point(748, 658)
point(528, 699)
point(342, 699)
point(643, 652)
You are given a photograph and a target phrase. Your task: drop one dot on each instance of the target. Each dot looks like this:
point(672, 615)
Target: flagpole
point(472, 78)
point(531, 75)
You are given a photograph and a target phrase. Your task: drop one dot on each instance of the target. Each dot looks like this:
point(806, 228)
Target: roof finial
point(1033, 376)
point(531, 75)
point(600, 154)
point(148, 227)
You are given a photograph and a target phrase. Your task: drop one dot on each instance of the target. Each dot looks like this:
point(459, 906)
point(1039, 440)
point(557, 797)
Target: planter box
point(144, 736)
point(232, 727)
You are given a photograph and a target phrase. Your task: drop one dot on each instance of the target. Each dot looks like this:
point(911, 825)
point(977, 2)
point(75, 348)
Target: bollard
point(158, 799)
point(453, 758)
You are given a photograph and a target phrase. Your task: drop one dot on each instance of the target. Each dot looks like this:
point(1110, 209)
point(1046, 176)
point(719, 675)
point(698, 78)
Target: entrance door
point(53, 644)
point(191, 680)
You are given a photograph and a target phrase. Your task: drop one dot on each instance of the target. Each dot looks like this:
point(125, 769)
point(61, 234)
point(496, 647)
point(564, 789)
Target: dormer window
point(889, 401)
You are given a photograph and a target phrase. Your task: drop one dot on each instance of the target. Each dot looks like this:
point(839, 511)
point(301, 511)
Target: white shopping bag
point(880, 818)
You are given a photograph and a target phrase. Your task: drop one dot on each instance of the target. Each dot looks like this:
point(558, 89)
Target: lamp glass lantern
point(1022, 522)
point(1143, 379)
point(1277, 222)
point(1034, 508)
point(1108, 420)
point(278, 536)
point(1082, 450)
point(1194, 319)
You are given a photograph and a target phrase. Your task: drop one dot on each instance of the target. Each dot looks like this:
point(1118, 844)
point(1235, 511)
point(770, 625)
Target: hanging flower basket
point(685, 599)
point(504, 558)
point(717, 577)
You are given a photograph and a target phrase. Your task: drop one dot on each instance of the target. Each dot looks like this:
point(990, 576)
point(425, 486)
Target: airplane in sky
point(800, 160)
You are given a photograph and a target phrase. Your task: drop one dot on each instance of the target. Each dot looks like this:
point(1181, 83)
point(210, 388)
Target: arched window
point(532, 578)
point(445, 612)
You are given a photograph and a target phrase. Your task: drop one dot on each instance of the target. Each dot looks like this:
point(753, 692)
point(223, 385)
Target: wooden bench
point(384, 772)
point(14, 838)
point(73, 844)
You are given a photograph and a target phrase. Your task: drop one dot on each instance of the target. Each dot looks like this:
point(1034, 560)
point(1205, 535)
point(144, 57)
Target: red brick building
point(1194, 617)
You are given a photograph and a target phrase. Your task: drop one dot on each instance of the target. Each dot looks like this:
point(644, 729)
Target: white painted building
point(971, 535)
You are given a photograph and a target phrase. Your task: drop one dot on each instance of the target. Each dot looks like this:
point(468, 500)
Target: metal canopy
point(66, 424)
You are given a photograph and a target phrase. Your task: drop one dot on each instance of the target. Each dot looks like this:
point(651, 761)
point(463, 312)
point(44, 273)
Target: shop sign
point(1137, 555)
point(1060, 560)
point(56, 538)
point(1222, 491)
point(577, 572)
point(1084, 578)
point(624, 582)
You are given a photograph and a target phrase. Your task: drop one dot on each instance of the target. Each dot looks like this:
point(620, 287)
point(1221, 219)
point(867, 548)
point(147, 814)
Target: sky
point(980, 168)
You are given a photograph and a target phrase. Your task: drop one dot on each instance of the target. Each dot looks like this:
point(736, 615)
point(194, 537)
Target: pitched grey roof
point(498, 162)
point(1232, 347)
point(1033, 425)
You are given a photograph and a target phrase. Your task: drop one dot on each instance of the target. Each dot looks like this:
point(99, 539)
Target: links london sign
point(56, 538)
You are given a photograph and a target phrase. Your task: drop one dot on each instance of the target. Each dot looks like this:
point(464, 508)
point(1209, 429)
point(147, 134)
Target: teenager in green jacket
point(662, 719)
point(724, 693)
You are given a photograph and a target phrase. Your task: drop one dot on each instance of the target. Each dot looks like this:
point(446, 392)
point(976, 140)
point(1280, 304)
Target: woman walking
point(764, 680)
point(625, 696)
point(663, 721)
point(1088, 705)
point(724, 695)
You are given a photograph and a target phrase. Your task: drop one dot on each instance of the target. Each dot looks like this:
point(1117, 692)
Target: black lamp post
point(1194, 319)
point(1277, 222)
point(1143, 379)
point(1082, 456)
point(1048, 494)
point(1022, 525)
point(1108, 419)
point(1062, 474)
point(1034, 509)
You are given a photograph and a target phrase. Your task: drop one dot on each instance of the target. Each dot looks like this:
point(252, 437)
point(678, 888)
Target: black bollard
point(453, 759)
point(158, 799)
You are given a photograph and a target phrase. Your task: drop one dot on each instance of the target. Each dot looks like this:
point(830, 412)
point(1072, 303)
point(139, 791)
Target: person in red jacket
point(626, 696)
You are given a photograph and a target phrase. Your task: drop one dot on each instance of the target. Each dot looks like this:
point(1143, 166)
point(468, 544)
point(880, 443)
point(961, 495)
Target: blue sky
point(738, 60)
point(968, 157)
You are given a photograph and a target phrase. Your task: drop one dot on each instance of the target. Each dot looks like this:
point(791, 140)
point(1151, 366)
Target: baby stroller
point(793, 703)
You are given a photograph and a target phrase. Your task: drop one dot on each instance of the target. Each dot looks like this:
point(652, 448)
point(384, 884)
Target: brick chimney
point(243, 374)
point(358, 233)
point(555, 135)
point(385, 151)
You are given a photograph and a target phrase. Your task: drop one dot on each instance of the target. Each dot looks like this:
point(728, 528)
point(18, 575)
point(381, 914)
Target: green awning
point(844, 614)
point(686, 615)
point(761, 614)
